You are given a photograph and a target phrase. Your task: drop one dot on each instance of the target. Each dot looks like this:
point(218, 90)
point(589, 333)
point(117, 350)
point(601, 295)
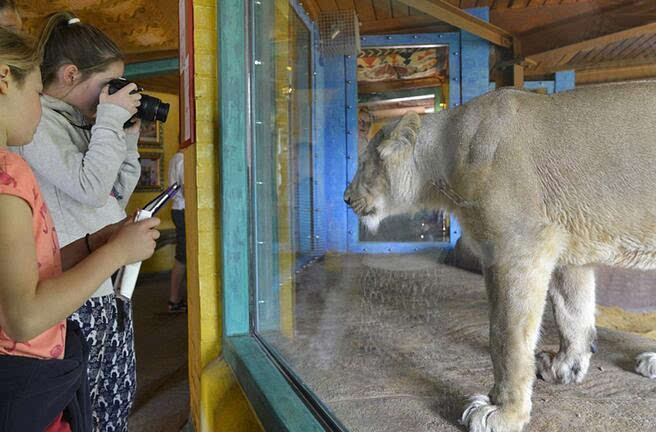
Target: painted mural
point(388, 64)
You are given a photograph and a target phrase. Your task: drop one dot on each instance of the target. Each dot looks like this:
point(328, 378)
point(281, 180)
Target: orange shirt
point(16, 178)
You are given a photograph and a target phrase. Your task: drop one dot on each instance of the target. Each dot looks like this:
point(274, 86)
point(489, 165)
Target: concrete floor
point(162, 403)
point(397, 343)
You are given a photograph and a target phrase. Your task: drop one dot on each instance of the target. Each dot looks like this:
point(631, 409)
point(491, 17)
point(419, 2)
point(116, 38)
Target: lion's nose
point(347, 198)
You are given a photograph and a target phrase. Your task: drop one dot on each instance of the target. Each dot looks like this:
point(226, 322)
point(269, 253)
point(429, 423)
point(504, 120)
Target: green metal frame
point(273, 398)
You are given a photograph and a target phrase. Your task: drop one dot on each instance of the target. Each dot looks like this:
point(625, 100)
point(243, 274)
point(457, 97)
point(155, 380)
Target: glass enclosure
point(375, 330)
point(315, 305)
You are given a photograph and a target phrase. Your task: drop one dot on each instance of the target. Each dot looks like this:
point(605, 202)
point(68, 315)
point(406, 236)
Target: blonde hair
point(19, 53)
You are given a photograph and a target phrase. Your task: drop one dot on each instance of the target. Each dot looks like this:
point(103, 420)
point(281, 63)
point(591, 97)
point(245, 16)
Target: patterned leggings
point(112, 364)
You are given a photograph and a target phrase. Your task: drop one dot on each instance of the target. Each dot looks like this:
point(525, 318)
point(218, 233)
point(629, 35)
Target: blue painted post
point(331, 83)
point(350, 66)
point(565, 80)
point(475, 58)
point(318, 149)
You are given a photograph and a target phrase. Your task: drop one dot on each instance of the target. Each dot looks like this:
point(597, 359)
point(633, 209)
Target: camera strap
point(84, 127)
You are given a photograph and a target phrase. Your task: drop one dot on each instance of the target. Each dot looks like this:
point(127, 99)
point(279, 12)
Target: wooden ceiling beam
point(387, 86)
point(544, 60)
point(611, 73)
point(455, 16)
point(608, 17)
point(406, 24)
point(312, 8)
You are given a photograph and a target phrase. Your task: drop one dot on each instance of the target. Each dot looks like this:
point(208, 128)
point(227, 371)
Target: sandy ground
point(615, 318)
point(398, 343)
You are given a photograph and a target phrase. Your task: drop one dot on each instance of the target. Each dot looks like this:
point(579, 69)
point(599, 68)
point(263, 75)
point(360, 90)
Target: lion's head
point(385, 182)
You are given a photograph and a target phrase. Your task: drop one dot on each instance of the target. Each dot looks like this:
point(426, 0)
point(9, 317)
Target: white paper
point(127, 275)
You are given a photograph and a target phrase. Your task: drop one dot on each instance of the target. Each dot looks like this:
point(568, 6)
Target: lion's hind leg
point(646, 364)
point(572, 293)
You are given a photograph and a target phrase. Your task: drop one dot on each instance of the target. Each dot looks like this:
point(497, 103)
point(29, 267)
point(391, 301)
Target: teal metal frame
point(274, 399)
point(152, 67)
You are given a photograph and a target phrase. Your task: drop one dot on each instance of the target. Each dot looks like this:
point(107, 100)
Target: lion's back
point(589, 154)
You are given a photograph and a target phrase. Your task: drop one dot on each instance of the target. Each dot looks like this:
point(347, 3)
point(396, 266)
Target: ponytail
point(18, 52)
point(66, 40)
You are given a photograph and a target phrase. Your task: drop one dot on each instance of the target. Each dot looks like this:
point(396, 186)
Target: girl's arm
point(28, 306)
point(75, 252)
point(130, 170)
point(88, 176)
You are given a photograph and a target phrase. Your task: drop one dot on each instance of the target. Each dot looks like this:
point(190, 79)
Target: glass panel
point(282, 155)
point(392, 342)
point(313, 304)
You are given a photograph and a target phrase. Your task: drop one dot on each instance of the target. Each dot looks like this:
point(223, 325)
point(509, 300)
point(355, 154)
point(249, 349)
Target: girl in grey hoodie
point(87, 166)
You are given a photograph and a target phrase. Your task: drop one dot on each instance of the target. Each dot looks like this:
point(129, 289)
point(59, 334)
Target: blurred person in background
point(177, 301)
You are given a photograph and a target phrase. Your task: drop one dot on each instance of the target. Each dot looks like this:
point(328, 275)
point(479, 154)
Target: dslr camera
point(151, 108)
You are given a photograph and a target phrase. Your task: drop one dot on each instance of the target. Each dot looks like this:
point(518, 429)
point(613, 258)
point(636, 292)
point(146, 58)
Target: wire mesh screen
point(339, 33)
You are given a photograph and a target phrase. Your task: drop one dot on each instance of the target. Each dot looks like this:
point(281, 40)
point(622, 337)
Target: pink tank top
point(16, 178)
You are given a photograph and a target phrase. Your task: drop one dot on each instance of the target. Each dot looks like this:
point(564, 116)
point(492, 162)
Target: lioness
point(544, 187)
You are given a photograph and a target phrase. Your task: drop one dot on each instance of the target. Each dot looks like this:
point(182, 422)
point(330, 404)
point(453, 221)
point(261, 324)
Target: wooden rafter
point(553, 60)
point(619, 72)
point(312, 8)
point(406, 24)
point(455, 16)
point(387, 86)
point(611, 16)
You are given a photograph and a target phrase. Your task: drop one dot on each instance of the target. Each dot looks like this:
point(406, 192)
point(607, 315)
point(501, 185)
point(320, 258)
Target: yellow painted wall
point(163, 258)
point(217, 402)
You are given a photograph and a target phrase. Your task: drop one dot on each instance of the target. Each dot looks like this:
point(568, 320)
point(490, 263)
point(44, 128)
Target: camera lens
point(162, 111)
point(152, 109)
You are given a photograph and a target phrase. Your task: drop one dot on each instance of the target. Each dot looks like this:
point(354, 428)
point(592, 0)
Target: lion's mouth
point(361, 208)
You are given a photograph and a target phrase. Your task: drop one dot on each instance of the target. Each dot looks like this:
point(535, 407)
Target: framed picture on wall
point(152, 172)
point(151, 134)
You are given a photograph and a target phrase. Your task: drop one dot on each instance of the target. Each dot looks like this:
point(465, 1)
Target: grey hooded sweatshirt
point(86, 177)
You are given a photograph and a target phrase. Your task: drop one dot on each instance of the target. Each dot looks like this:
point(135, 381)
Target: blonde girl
point(87, 166)
point(43, 383)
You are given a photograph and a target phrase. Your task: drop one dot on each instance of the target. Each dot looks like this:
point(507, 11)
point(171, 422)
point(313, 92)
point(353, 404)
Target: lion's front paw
point(646, 364)
point(562, 368)
point(481, 416)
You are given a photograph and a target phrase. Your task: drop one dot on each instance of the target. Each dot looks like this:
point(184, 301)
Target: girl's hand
point(135, 241)
point(100, 237)
point(122, 98)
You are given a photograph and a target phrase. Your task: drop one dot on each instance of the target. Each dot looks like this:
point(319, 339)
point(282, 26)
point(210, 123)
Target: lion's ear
point(403, 135)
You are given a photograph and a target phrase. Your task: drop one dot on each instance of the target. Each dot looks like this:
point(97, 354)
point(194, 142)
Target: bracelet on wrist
point(86, 241)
